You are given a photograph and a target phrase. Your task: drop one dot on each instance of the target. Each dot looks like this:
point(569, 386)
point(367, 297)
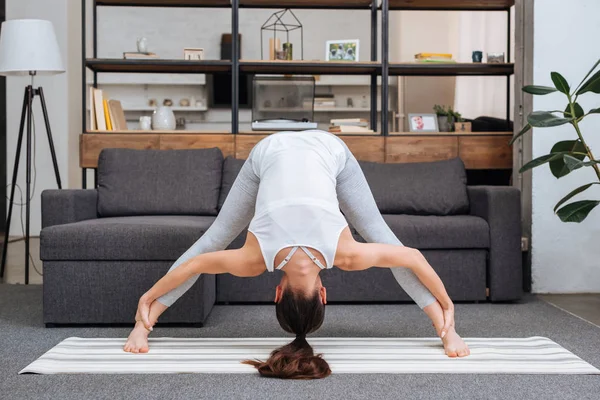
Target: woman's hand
point(448, 310)
point(143, 312)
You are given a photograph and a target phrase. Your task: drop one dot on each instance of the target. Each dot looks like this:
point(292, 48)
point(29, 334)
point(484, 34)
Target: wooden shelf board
point(451, 5)
point(165, 3)
point(315, 4)
point(303, 67)
point(158, 66)
point(140, 132)
point(438, 134)
point(451, 69)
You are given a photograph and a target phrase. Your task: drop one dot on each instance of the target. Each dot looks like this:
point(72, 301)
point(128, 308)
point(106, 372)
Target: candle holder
point(284, 21)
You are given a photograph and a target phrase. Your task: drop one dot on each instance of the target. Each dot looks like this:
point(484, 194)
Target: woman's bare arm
point(366, 255)
point(240, 262)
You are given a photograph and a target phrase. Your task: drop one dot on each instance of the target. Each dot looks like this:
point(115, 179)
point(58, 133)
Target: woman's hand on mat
point(143, 312)
point(448, 319)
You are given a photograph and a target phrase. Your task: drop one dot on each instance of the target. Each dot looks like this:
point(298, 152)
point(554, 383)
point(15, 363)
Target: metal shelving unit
point(235, 67)
point(483, 69)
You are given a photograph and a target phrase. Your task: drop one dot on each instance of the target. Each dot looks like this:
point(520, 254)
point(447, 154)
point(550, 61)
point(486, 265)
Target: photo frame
point(423, 123)
point(342, 50)
point(193, 54)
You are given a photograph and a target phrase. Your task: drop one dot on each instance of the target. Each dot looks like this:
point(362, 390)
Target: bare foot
point(137, 342)
point(454, 345)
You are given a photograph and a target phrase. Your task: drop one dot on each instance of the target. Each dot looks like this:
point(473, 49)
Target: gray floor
point(586, 306)
point(23, 338)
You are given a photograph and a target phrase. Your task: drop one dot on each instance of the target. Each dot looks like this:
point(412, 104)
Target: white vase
point(163, 119)
point(142, 45)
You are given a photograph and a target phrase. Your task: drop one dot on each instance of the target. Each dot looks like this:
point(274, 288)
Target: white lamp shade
point(29, 45)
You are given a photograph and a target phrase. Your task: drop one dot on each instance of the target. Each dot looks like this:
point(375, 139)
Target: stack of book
point(324, 101)
point(105, 114)
point(132, 55)
point(357, 126)
point(434, 58)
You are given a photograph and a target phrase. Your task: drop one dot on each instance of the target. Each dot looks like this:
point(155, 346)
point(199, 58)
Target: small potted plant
point(446, 117)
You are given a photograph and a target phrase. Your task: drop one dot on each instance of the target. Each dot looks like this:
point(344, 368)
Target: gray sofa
point(103, 248)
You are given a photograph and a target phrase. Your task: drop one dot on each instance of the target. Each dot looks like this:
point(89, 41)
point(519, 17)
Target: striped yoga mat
point(535, 355)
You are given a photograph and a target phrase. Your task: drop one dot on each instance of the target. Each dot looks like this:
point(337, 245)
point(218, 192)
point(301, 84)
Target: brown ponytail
point(300, 315)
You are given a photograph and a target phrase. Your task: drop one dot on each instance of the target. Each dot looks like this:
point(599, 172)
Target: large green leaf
point(577, 211)
point(544, 119)
point(574, 163)
point(591, 85)
point(560, 83)
point(540, 161)
point(578, 111)
point(538, 90)
point(574, 193)
point(557, 165)
point(523, 131)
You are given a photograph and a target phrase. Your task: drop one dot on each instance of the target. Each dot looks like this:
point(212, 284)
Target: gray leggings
point(356, 202)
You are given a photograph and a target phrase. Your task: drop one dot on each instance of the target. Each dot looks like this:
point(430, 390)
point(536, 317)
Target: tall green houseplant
point(568, 155)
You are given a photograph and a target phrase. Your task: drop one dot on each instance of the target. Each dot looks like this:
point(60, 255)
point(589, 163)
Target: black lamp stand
point(27, 113)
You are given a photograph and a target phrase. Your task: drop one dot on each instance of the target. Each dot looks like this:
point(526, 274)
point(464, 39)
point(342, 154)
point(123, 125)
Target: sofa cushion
point(231, 169)
point(159, 182)
point(430, 188)
point(156, 238)
point(436, 232)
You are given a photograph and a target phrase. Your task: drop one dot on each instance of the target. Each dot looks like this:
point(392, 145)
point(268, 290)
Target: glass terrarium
point(283, 98)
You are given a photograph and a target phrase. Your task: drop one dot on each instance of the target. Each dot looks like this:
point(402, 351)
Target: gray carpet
point(23, 338)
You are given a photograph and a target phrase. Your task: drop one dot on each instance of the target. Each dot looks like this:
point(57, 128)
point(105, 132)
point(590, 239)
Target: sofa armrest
point(500, 206)
point(67, 206)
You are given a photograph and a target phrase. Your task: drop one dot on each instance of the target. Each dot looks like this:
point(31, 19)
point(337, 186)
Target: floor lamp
point(28, 47)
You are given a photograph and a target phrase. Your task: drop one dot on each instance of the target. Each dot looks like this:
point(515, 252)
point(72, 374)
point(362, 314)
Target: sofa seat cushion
point(426, 188)
point(434, 232)
point(159, 182)
point(155, 238)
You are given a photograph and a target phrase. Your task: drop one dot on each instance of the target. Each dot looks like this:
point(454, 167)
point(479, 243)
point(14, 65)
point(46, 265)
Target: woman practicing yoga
point(290, 192)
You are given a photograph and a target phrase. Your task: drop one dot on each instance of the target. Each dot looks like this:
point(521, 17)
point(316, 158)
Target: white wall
point(55, 91)
point(566, 257)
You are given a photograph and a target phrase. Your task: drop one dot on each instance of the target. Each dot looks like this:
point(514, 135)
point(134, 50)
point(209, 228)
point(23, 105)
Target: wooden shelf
point(451, 5)
point(451, 69)
point(453, 134)
point(165, 3)
point(299, 67)
point(157, 132)
point(159, 66)
point(482, 150)
point(173, 108)
point(314, 4)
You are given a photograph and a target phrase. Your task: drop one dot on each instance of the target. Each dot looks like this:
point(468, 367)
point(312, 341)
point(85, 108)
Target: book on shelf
point(350, 129)
point(93, 123)
point(434, 57)
point(99, 110)
point(349, 122)
point(136, 55)
point(117, 115)
point(105, 114)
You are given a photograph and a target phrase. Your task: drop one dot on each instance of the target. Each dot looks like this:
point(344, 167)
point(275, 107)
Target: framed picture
point(193, 54)
point(341, 50)
point(423, 123)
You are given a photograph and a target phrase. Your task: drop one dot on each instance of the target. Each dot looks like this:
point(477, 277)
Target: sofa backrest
point(427, 188)
point(159, 182)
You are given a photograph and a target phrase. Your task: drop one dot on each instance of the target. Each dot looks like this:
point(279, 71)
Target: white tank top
point(297, 202)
